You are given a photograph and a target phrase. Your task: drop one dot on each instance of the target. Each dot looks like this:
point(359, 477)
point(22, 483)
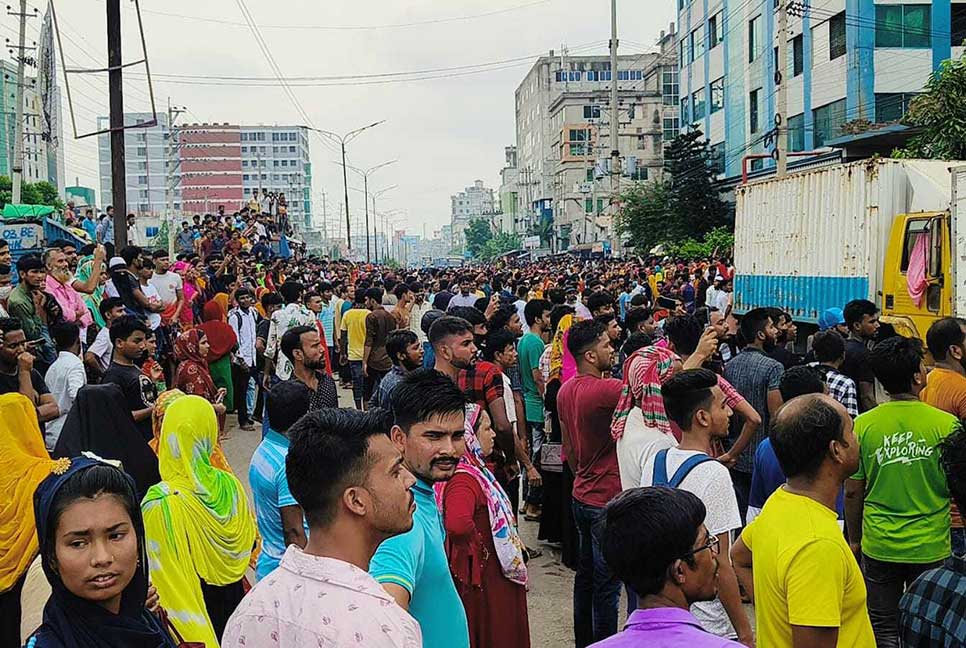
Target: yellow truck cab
point(926, 234)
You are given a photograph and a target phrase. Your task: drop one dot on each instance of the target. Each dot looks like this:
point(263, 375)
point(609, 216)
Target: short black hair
point(291, 291)
point(375, 294)
point(425, 394)
point(29, 262)
point(327, 454)
point(292, 340)
point(645, 530)
point(9, 325)
point(397, 342)
point(108, 304)
point(944, 333)
point(952, 458)
point(124, 327)
point(685, 393)
point(497, 342)
point(799, 381)
point(472, 315)
point(583, 335)
point(243, 292)
point(535, 309)
point(636, 316)
point(634, 342)
point(65, 334)
point(401, 290)
point(286, 403)
point(557, 314)
point(271, 299)
point(754, 322)
point(895, 361)
point(801, 433)
point(684, 332)
point(447, 326)
point(599, 299)
point(501, 318)
point(160, 254)
point(828, 346)
point(130, 253)
point(856, 310)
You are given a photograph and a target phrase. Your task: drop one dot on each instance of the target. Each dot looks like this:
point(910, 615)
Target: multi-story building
point(474, 202)
point(276, 158)
point(563, 127)
point(42, 155)
point(509, 215)
point(208, 167)
point(846, 61)
point(146, 156)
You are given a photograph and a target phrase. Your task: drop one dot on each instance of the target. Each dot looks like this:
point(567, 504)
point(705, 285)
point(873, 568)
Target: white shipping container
point(817, 239)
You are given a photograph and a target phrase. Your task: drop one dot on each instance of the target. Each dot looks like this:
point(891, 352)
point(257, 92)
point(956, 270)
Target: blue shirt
point(270, 492)
point(767, 476)
point(416, 561)
point(327, 318)
point(90, 227)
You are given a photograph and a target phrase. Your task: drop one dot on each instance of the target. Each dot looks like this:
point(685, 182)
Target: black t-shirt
point(856, 364)
point(441, 300)
point(10, 383)
point(139, 391)
point(784, 356)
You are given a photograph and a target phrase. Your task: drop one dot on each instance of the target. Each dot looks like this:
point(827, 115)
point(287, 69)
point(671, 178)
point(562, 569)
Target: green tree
point(643, 218)
point(544, 229)
point(31, 193)
point(499, 244)
point(476, 234)
point(941, 112)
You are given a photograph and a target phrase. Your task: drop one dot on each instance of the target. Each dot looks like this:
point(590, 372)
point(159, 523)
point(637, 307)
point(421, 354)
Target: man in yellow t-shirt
point(793, 559)
point(353, 333)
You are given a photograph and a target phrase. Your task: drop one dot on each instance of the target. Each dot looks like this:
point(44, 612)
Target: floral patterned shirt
point(292, 316)
point(322, 603)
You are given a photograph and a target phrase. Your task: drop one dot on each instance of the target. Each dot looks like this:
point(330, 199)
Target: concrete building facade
point(209, 167)
point(474, 202)
point(509, 214)
point(563, 137)
point(847, 60)
point(42, 159)
point(276, 158)
point(146, 165)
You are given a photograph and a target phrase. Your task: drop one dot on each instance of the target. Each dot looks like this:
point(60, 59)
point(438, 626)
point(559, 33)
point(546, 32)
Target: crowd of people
point(665, 448)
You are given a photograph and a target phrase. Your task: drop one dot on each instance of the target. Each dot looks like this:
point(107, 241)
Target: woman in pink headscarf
point(192, 292)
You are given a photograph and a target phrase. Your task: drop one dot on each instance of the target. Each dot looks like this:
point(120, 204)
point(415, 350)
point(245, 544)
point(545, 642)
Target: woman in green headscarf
point(200, 531)
point(85, 269)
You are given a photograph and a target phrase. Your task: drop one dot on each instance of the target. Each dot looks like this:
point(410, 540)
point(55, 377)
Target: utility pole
point(115, 86)
point(615, 154)
point(325, 226)
point(170, 166)
point(17, 166)
point(781, 129)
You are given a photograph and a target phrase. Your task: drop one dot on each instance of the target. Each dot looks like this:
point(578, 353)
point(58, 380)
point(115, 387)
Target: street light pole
point(343, 140)
point(375, 218)
point(365, 173)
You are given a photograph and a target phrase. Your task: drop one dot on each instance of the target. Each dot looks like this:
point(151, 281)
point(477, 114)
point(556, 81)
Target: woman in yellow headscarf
point(218, 458)
point(24, 463)
point(200, 531)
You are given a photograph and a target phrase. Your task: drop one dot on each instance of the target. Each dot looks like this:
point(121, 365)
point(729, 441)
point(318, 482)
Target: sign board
point(531, 242)
point(23, 236)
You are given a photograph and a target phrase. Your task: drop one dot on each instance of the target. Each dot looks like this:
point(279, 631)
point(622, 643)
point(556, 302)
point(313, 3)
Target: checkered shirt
point(932, 612)
point(482, 383)
point(841, 388)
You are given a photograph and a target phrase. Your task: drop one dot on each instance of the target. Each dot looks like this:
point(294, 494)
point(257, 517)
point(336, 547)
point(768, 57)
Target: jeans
point(358, 382)
point(742, 484)
point(957, 537)
point(886, 582)
point(429, 356)
point(240, 377)
point(537, 434)
point(265, 421)
point(596, 589)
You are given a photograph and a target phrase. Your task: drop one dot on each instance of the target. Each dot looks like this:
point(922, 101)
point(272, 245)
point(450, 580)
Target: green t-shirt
point(529, 351)
point(906, 514)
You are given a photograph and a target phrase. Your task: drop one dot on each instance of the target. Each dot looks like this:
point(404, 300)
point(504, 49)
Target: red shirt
point(586, 405)
point(482, 383)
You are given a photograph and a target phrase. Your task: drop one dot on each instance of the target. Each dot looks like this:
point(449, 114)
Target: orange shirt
point(946, 390)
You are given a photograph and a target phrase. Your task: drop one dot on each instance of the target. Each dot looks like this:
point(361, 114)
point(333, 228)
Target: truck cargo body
point(817, 239)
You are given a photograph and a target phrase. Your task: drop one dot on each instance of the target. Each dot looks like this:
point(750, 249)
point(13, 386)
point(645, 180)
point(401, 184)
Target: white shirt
point(509, 403)
point(521, 305)
point(244, 326)
point(637, 446)
point(167, 285)
point(711, 483)
point(416, 319)
point(154, 319)
point(64, 379)
point(459, 299)
point(102, 348)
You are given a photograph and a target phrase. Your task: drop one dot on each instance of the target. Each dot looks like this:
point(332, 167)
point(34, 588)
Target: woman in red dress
point(485, 552)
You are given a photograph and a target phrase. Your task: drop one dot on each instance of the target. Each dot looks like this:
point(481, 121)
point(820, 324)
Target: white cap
point(117, 262)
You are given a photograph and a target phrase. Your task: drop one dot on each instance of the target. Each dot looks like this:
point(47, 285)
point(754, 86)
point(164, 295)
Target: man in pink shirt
point(586, 404)
point(58, 284)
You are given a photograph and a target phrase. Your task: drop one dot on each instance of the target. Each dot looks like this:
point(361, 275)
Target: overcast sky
point(444, 132)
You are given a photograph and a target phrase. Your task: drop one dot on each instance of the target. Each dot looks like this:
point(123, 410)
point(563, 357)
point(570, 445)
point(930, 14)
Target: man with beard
point(302, 346)
point(349, 479)
point(429, 415)
point(406, 354)
point(862, 320)
point(58, 284)
point(128, 335)
point(757, 377)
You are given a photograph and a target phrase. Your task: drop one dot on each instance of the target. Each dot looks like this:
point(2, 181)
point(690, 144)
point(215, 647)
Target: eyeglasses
point(712, 545)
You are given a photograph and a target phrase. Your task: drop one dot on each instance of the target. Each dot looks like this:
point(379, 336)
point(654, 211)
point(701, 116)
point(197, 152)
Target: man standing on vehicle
point(862, 320)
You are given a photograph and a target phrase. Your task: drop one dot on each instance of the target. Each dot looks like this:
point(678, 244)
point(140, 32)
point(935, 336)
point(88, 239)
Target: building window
point(718, 157)
point(588, 205)
point(796, 133)
point(684, 110)
point(697, 100)
point(717, 95)
point(891, 107)
point(291, 149)
point(958, 31)
point(836, 36)
point(592, 112)
point(142, 179)
point(671, 128)
point(903, 25)
point(574, 75)
point(754, 38)
point(715, 30)
point(682, 48)
point(578, 142)
point(669, 87)
point(798, 55)
point(640, 173)
point(828, 121)
point(245, 177)
point(274, 163)
point(590, 175)
point(142, 150)
point(753, 110)
point(697, 43)
point(757, 164)
point(559, 76)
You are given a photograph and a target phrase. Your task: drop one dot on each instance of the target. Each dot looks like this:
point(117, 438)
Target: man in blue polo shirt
point(279, 517)
point(429, 416)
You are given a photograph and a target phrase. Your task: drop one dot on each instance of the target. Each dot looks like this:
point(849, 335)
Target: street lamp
point(375, 220)
point(365, 184)
point(343, 140)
